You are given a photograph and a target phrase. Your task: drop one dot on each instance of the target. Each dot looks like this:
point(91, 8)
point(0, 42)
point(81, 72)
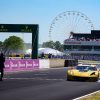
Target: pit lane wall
point(56, 63)
point(13, 65)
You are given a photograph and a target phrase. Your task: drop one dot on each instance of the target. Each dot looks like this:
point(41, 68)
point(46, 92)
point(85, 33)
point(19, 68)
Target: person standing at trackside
point(2, 66)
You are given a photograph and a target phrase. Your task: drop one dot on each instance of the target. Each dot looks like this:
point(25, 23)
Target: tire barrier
point(70, 63)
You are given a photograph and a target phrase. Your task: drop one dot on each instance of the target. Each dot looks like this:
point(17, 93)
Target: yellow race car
point(83, 72)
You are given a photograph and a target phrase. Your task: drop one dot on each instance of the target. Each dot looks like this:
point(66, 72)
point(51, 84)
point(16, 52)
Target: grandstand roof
point(95, 34)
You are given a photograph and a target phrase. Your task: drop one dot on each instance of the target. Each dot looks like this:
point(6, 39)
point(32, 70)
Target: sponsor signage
point(18, 65)
point(15, 28)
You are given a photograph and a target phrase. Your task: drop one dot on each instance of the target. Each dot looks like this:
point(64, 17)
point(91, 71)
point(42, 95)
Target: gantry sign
point(25, 28)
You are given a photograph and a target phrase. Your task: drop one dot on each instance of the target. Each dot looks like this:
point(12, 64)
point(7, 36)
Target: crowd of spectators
point(50, 56)
point(79, 57)
point(82, 39)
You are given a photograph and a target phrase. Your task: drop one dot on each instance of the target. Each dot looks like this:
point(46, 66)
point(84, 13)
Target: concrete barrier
point(56, 63)
point(44, 63)
point(13, 65)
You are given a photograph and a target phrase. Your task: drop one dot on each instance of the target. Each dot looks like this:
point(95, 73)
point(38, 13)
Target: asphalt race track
point(48, 84)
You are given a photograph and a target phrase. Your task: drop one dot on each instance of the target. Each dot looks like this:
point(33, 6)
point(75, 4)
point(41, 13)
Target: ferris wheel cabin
point(83, 45)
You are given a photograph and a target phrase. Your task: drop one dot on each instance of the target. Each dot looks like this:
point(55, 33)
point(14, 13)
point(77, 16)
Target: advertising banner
point(21, 64)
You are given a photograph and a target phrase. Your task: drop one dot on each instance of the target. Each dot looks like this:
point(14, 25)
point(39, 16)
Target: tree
point(1, 45)
point(57, 45)
point(54, 45)
point(49, 44)
point(12, 43)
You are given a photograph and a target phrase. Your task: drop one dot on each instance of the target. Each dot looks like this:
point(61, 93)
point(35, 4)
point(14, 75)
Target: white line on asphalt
point(86, 95)
point(31, 79)
point(18, 78)
point(41, 74)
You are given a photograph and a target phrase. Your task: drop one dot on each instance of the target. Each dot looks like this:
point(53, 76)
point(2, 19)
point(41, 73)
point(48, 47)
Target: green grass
point(95, 96)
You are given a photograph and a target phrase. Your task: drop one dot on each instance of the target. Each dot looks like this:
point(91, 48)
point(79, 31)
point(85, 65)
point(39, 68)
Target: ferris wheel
point(69, 22)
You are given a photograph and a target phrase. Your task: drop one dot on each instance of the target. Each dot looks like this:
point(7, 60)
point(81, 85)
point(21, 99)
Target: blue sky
point(42, 12)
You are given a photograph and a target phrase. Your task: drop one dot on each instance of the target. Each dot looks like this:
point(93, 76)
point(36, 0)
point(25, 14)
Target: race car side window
point(98, 66)
point(92, 68)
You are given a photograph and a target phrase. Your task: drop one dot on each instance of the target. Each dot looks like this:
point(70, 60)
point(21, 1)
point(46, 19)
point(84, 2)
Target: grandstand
point(83, 45)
